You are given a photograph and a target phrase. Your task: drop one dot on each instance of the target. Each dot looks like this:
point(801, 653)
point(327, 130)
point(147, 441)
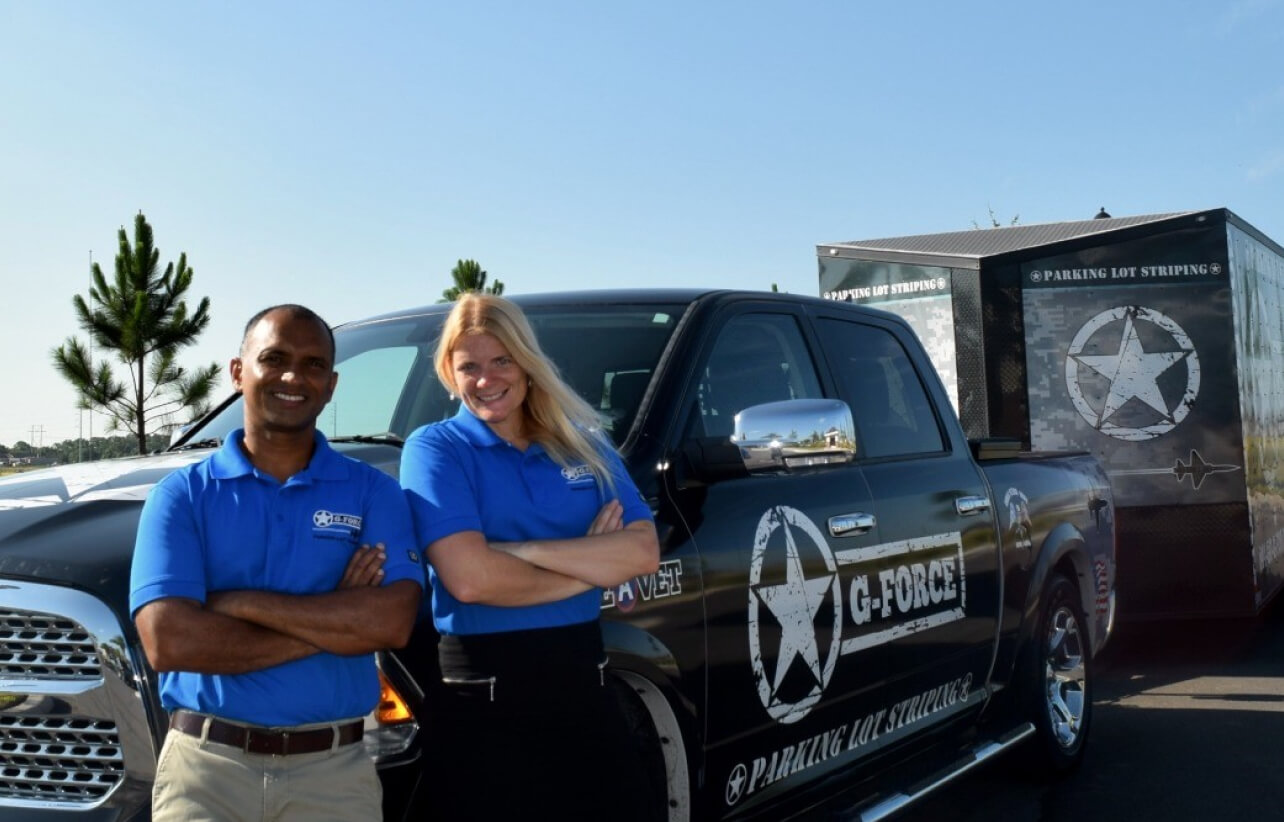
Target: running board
point(981, 753)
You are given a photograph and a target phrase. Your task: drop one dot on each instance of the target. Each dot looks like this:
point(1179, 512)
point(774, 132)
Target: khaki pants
point(209, 782)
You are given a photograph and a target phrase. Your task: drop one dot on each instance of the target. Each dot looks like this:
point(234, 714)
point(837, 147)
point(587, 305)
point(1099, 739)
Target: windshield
point(387, 384)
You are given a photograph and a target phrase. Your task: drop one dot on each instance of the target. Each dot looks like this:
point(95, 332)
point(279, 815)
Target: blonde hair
point(556, 417)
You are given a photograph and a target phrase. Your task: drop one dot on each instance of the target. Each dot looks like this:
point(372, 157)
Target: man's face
point(285, 372)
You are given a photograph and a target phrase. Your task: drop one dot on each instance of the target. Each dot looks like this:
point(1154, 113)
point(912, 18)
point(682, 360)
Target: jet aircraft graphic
point(1197, 469)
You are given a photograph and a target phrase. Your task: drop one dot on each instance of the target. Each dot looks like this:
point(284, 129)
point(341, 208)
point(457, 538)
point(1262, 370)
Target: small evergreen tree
point(468, 275)
point(141, 320)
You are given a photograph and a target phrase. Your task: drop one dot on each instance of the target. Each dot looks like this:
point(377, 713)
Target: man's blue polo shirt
point(461, 476)
point(222, 525)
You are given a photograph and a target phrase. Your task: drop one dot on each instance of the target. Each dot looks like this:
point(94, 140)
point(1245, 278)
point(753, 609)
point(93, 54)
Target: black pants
point(525, 728)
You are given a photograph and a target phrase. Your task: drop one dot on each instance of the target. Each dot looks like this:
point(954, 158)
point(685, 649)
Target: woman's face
point(491, 384)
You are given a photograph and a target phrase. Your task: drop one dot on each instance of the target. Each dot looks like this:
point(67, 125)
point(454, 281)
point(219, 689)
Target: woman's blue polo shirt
point(222, 525)
point(461, 476)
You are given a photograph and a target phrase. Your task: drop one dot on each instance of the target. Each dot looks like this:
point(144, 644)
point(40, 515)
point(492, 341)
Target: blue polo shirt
point(461, 476)
point(220, 525)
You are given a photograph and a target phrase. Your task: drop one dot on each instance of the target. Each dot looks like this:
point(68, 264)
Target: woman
point(526, 512)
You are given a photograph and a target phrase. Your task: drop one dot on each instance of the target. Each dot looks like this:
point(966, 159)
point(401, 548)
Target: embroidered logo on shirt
point(578, 475)
point(328, 519)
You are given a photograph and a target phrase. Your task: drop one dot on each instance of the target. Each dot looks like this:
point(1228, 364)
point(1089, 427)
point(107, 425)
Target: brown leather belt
point(263, 740)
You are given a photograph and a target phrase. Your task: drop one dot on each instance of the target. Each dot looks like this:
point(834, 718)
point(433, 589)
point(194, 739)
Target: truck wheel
point(651, 801)
point(1058, 678)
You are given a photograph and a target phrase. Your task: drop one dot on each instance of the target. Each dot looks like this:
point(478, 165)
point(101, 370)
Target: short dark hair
point(295, 311)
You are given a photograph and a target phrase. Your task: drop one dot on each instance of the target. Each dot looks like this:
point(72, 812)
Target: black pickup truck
point(854, 604)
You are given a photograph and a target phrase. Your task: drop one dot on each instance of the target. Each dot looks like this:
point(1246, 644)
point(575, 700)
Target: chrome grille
point(45, 646)
point(74, 729)
point(58, 758)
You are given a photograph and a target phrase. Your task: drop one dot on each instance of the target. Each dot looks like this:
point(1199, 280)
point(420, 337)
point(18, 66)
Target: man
point(258, 600)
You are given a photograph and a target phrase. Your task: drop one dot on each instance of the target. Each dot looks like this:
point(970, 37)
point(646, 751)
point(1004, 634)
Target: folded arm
point(601, 559)
point(229, 634)
point(533, 573)
point(358, 620)
point(181, 635)
point(475, 572)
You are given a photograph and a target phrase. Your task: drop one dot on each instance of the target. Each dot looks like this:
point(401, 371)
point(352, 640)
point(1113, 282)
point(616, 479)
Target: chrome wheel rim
point(1065, 677)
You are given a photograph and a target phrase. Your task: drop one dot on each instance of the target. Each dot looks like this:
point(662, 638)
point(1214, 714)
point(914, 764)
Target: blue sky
point(345, 155)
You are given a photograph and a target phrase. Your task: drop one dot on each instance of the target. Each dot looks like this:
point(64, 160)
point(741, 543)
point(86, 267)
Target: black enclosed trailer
point(1156, 342)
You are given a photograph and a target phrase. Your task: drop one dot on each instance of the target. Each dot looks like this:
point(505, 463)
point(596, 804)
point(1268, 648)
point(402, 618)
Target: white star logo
point(1132, 373)
point(795, 604)
point(736, 783)
point(322, 519)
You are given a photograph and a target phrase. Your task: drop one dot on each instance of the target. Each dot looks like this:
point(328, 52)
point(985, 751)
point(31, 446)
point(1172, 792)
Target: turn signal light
point(392, 709)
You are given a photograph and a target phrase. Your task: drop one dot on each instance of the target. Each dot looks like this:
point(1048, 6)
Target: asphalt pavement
point(1188, 725)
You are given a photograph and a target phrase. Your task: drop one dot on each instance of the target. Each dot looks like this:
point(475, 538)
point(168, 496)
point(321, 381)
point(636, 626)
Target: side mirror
point(795, 434)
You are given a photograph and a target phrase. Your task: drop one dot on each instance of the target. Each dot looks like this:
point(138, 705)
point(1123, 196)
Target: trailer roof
point(976, 244)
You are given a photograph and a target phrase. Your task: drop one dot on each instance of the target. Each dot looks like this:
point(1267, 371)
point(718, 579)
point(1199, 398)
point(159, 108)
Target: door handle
point(851, 525)
point(971, 506)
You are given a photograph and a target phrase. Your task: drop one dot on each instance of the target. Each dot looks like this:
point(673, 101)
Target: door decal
point(895, 589)
point(794, 605)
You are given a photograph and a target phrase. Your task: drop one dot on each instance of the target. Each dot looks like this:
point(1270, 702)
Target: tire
point(1058, 679)
point(649, 799)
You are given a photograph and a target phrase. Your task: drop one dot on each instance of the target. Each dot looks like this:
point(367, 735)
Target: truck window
point(877, 379)
point(607, 354)
point(370, 386)
point(757, 358)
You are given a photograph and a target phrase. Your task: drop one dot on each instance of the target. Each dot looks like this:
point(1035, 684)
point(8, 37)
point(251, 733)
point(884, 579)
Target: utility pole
point(90, 409)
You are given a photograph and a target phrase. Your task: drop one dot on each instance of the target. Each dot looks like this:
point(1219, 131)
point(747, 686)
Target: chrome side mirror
point(795, 434)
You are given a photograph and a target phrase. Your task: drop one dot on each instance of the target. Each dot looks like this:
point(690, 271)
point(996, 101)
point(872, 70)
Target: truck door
point(929, 590)
point(784, 707)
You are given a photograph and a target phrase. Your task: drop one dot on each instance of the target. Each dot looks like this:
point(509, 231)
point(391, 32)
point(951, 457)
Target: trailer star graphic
point(1133, 373)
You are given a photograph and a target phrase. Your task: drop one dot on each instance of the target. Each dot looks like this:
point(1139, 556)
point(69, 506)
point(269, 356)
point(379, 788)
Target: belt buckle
point(266, 743)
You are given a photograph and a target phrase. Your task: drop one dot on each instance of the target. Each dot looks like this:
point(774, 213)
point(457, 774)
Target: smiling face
point(491, 384)
point(285, 372)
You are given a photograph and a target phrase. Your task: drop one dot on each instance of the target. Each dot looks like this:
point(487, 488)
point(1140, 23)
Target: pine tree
point(469, 276)
point(141, 320)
